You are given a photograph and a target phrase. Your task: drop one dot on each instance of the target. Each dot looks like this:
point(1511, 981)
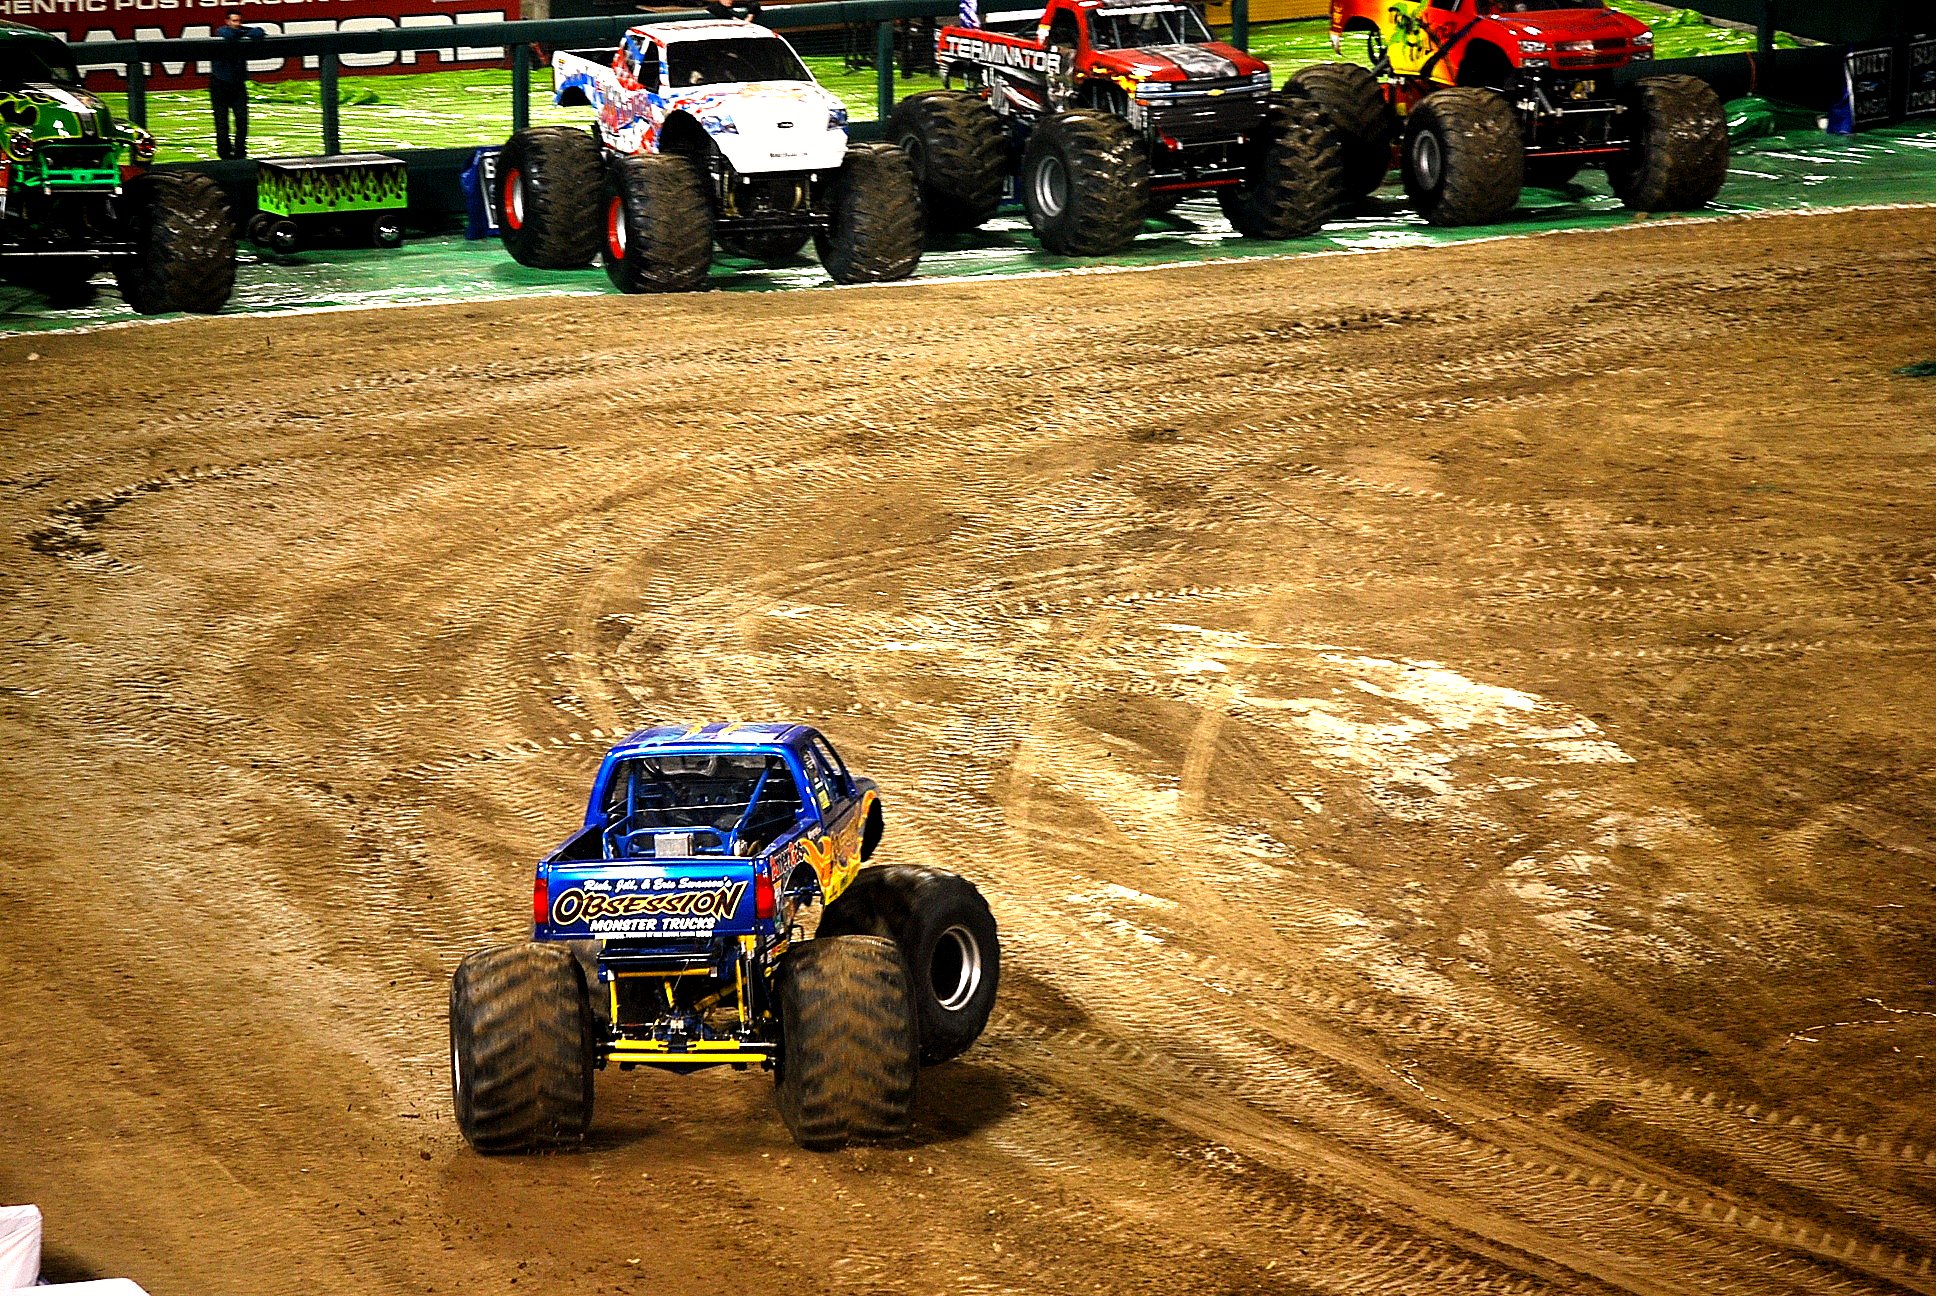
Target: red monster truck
point(1485, 96)
point(1104, 111)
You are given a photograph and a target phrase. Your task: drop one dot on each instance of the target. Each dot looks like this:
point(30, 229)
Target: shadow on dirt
point(959, 1099)
point(61, 1266)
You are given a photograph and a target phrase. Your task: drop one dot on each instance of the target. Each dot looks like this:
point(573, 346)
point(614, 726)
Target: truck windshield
point(1144, 26)
point(714, 62)
point(36, 60)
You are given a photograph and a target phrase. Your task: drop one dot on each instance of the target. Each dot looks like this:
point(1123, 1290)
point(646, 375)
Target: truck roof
point(719, 735)
point(711, 29)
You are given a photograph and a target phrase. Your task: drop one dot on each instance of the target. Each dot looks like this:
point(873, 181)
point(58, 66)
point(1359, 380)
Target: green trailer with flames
point(357, 197)
point(77, 195)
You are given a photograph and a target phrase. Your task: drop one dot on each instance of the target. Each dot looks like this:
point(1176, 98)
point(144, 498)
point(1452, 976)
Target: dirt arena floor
point(1446, 735)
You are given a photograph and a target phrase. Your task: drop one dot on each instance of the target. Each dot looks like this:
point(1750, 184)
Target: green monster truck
point(76, 194)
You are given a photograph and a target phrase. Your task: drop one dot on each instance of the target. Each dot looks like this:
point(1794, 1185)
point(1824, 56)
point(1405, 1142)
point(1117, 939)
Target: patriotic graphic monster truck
point(1107, 111)
point(1485, 96)
point(669, 932)
point(76, 194)
point(709, 130)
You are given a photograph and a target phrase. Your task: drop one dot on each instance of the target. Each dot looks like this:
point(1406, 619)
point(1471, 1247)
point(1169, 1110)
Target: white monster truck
point(705, 131)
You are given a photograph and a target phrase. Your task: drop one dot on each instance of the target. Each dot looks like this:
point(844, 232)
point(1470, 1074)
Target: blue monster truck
point(669, 931)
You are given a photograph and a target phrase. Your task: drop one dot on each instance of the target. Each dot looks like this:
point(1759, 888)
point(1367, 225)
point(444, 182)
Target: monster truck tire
point(521, 1047)
point(1293, 178)
point(658, 224)
point(958, 150)
point(771, 246)
point(875, 231)
point(184, 245)
point(847, 1044)
point(1679, 159)
point(1354, 102)
point(1552, 173)
point(1085, 183)
point(548, 196)
point(1464, 163)
point(947, 936)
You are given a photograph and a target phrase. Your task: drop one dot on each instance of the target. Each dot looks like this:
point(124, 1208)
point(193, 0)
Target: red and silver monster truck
point(1104, 111)
point(705, 131)
point(1485, 96)
point(671, 931)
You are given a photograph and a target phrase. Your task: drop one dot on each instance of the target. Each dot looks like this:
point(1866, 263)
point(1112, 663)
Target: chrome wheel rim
point(955, 970)
point(1428, 159)
point(1050, 186)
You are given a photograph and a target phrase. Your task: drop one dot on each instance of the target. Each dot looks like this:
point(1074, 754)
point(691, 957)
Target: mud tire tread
point(913, 906)
point(1295, 177)
point(960, 157)
point(521, 1036)
point(847, 1046)
point(1109, 179)
point(1354, 102)
point(1680, 160)
point(1484, 159)
point(184, 242)
point(669, 224)
point(561, 171)
point(876, 232)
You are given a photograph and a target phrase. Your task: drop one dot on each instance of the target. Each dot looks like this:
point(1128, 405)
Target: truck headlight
point(21, 144)
point(144, 146)
point(1532, 47)
point(837, 118)
point(1645, 38)
point(1261, 79)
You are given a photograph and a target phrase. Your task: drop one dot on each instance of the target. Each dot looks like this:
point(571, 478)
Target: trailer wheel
point(958, 149)
point(658, 224)
point(184, 245)
point(1679, 158)
point(875, 233)
point(774, 247)
point(1293, 177)
point(1351, 97)
point(1464, 162)
point(548, 197)
point(847, 1045)
point(947, 935)
point(521, 1048)
point(1085, 183)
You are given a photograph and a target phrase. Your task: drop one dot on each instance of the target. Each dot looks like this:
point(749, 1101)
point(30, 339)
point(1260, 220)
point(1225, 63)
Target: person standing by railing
point(228, 87)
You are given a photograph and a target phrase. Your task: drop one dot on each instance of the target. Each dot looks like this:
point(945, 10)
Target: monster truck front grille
point(1196, 110)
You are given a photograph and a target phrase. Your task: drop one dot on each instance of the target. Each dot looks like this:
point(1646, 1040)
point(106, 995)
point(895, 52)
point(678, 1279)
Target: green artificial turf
point(457, 109)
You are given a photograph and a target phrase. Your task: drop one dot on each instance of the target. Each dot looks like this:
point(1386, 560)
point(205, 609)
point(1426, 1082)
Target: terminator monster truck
point(706, 130)
point(75, 193)
point(1104, 111)
point(668, 932)
point(1493, 94)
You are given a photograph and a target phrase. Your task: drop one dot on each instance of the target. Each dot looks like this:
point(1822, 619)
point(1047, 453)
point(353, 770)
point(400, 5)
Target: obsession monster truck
point(668, 931)
point(1105, 111)
point(705, 131)
point(1493, 94)
point(75, 193)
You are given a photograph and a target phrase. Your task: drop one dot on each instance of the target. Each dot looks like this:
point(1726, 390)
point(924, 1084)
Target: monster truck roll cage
point(683, 806)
